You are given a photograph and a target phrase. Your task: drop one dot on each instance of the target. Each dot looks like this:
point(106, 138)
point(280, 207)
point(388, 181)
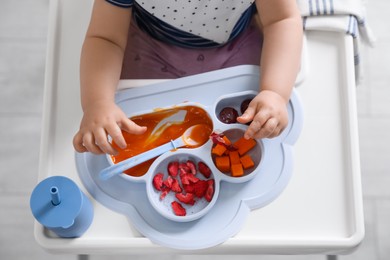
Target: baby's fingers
point(102, 142)
point(258, 128)
point(116, 134)
point(131, 127)
point(115, 131)
point(90, 144)
point(78, 143)
point(268, 129)
point(248, 115)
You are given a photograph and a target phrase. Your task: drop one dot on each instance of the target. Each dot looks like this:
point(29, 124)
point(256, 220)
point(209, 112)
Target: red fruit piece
point(168, 182)
point(178, 209)
point(189, 188)
point(217, 138)
point(244, 105)
point(187, 178)
point(158, 181)
point(173, 168)
point(164, 192)
point(209, 193)
point(204, 169)
point(176, 186)
point(210, 190)
point(192, 167)
point(200, 188)
point(187, 198)
point(183, 168)
point(228, 115)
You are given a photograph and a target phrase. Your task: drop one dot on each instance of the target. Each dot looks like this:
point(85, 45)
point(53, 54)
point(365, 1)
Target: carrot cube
point(234, 157)
point(218, 149)
point(222, 163)
point(247, 161)
point(227, 141)
point(237, 170)
point(244, 145)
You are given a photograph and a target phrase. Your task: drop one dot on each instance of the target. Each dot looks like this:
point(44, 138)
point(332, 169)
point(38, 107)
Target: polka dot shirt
point(213, 20)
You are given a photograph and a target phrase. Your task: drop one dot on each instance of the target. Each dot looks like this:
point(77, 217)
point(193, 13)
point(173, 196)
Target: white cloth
point(348, 16)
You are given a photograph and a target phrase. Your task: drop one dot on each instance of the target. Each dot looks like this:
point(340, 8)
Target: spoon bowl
point(174, 119)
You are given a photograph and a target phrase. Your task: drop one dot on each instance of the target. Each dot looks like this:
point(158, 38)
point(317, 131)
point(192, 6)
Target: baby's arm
point(281, 25)
point(100, 68)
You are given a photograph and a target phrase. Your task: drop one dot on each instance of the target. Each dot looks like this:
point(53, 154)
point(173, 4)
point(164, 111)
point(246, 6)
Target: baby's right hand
point(100, 120)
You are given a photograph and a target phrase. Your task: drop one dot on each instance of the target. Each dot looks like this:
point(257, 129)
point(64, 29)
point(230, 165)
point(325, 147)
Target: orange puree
point(136, 144)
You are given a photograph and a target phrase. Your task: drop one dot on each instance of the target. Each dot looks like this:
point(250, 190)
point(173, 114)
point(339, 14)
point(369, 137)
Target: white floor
point(23, 28)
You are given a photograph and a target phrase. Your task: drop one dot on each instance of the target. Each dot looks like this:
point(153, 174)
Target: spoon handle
point(120, 167)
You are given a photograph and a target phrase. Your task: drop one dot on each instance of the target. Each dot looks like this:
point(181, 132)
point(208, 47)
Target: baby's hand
point(268, 113)
point(100, 120)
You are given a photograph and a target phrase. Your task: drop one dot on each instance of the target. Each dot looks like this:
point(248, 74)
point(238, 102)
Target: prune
point(228, 115)
point(244, 105)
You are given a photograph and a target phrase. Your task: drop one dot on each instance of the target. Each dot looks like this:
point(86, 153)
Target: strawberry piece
point(164, 192)
point(204, 169)
point(217, 138)
point(210, 190)
point(176, 186)
point(183, 168)
point(189, 188)
point(187, 178)
point(200, 188)
point(192, 167)
point(187, 198)
point(158, 181)
point(168, 182)
point(184, 179)
point(209, 193)
point(178, 209)
point(173, 168)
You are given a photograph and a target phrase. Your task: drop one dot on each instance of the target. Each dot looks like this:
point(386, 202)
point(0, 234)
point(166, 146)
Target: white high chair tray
point(320, 211)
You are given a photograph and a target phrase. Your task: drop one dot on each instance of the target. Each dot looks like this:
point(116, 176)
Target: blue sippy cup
point(59, 205)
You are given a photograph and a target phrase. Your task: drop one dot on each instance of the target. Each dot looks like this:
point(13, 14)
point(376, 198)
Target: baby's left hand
point(268, 113)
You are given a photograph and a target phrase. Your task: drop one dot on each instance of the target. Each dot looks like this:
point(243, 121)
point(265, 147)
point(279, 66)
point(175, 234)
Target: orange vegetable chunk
point(222, 163)
point(227, 141)
point(247, 161)
point(234, 157)
point(218, 149)
point(237, 170)
point(244, 145)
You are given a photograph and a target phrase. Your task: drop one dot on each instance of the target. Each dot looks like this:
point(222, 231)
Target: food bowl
point(176, 192)
point(163, 125)
point(229, 107)
point(243, 156)
point(177, 186)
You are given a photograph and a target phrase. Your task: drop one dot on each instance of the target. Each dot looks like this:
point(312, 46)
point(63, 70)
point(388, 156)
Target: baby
point(146, 39)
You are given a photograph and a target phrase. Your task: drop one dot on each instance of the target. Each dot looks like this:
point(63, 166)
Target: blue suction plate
point(235, 200)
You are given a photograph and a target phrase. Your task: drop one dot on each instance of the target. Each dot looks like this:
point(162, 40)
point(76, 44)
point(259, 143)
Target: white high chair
point(320, 212)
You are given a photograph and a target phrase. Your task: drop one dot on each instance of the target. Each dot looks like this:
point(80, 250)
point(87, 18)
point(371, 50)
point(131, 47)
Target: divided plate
point(235, 199)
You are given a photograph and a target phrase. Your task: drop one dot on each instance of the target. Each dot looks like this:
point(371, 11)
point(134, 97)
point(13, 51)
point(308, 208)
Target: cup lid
point(56, 201)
